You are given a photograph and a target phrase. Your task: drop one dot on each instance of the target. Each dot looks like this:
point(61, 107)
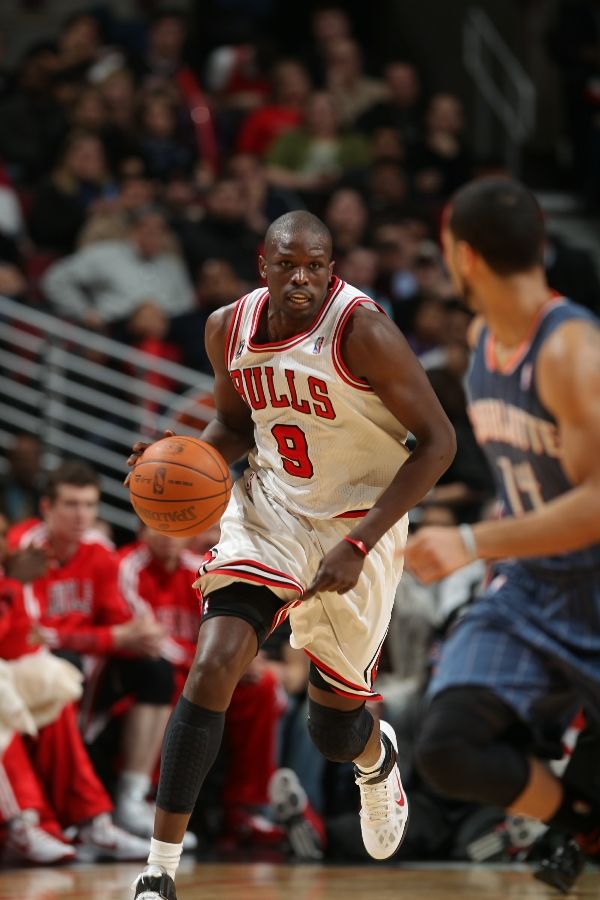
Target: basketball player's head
point(493, 230)
point(297, 265)
point(69, 505)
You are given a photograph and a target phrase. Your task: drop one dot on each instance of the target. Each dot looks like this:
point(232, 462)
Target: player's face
point(298, 270)
point(458, 275)
point(164, 548)
point(72, 512)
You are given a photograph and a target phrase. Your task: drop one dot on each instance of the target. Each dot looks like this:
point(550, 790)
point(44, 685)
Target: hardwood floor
point(265, 881)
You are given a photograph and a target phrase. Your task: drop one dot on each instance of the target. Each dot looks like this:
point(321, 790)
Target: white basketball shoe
point(384, 806)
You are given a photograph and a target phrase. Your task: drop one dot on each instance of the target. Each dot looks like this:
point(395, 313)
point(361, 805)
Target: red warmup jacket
point(169, 596)
point(15, 624)
point(77, 602)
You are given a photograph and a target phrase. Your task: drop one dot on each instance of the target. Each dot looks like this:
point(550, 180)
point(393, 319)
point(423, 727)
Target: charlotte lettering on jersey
point(496, 421)
point(256, 387)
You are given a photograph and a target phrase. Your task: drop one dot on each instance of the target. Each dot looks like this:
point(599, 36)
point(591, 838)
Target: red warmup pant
point(250, 739)
point(52, 774)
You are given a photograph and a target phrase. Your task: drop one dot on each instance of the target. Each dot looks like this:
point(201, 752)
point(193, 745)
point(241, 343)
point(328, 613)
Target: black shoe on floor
point(154, 884)
point(562, 867)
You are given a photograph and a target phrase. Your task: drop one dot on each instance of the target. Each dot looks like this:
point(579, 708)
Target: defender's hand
point(137, 450)
point(435, 552)
point(339, 571)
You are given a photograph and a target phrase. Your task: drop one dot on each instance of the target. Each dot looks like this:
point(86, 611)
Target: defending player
point(322, 389)
point(529, 651)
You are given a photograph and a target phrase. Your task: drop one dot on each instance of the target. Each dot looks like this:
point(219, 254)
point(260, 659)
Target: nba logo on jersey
point(240, 349)
point(318, 345)
point(526, 373)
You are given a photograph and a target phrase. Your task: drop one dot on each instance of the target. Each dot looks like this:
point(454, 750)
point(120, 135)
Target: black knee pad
point(340, 736)
point(192, 740)
point(464, 748)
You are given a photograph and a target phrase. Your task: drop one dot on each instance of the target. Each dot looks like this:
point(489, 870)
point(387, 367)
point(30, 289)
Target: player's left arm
point(568, 383)
point(374, 349)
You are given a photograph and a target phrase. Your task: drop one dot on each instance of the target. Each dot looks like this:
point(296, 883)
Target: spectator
point(79, 612)
point(33, 123)
point(217, 285)
point(20, 485)
point(312, 158)
point(359, 267)
point(62, 201)
point(329, 23)
point(131, 287)
point(223, 233)
point(164, 54)
point(402, 109)
point(48, 782)
point(387, 189)
point(352, 90)
point(290, 88)
point(347, 217)
point(164, 149)
point(263, 203)
point(440, 161)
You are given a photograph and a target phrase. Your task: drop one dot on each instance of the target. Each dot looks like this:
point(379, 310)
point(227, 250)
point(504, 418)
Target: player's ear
point(465, 257)
point(262, 266)
point(331, 268)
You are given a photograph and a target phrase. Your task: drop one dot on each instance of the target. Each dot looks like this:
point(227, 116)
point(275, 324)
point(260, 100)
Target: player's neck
point(62, 549)
point(513, 305)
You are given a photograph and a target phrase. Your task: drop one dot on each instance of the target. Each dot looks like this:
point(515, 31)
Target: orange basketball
point(180, 486)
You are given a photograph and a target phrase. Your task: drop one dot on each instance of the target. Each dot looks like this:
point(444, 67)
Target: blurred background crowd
point(144, 150)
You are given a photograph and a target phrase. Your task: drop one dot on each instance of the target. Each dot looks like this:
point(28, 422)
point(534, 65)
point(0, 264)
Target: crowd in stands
point(136, 184)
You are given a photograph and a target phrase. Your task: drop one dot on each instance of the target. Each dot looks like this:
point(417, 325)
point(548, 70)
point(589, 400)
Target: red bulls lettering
point(318, 391)
point(256, 387)
point(276, 402)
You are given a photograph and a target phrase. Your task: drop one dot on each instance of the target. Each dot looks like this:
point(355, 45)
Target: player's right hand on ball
point(138, 448)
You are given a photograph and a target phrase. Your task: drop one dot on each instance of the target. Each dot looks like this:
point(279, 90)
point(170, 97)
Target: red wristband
point(360, 545)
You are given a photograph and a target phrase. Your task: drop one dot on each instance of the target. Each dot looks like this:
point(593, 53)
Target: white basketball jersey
point(325, 443)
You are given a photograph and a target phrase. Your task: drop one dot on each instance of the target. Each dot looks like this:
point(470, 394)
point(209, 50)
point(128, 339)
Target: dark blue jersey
point(517, 433)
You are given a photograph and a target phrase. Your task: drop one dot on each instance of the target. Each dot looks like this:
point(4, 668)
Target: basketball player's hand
point(27, 564)
point(435, 552)
point(339, 571)
point(137, 450)
point(142, 636)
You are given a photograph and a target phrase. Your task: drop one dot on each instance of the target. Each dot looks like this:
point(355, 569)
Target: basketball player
point(322, 389)
point(528, 653)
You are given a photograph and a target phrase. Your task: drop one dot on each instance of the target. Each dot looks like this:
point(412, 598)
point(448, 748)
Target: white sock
point(165, 855)
point(368, 770)
point(134, 784)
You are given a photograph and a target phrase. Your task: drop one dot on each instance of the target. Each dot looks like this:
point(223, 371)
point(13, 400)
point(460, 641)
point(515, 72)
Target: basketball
point(180, 486)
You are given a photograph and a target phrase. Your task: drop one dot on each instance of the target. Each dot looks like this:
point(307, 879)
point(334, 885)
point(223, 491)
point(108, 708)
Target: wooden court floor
point(266, 881)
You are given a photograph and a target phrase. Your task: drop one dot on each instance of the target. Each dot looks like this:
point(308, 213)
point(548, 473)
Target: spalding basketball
point(180, 486)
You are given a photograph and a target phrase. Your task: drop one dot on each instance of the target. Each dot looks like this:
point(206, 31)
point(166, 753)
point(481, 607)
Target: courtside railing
point(87, 396)
point(504, 90)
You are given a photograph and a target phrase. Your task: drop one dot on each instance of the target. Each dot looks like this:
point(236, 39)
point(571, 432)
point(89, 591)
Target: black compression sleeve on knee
point(340, 735)
point(464, 749)
point(190, 746)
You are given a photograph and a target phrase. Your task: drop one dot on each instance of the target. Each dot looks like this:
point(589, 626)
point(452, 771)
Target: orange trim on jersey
point(518, 355)
point(360, 384)
point(335, 289)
